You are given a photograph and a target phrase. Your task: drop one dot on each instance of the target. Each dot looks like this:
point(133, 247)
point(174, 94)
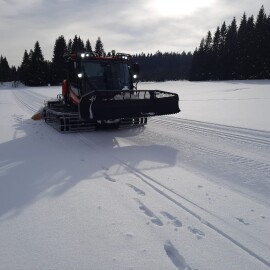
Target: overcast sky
point(131, 26)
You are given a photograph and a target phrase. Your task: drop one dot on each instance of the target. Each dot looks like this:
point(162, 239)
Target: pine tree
point(24, 73)
point(242, 54)
point(4, 70)
point(250, 48)
point(77, 45)
point(99, 49)
point(59, 68)
point(208, 55)
point(222, 54)
point(198, 72)
point(230, 51)
point(88, 46)
point(38, 69)
point(216, 54)
point(261, 32)
point(39, 66)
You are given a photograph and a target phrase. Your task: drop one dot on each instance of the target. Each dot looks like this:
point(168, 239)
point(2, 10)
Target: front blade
point(106, 105)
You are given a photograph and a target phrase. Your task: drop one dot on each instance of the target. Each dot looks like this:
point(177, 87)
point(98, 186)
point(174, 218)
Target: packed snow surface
point(187, 191)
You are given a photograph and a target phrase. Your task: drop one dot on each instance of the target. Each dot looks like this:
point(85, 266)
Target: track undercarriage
point(67, 119)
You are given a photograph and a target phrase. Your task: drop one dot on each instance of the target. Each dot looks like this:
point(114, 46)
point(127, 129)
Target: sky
point(123, 25)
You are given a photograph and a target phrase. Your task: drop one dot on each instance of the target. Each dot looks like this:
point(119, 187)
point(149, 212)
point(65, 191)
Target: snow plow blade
point(39, 114)
point(108, 105)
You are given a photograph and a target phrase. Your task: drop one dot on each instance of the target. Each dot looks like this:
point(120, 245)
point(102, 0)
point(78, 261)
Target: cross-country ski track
point(176, 194)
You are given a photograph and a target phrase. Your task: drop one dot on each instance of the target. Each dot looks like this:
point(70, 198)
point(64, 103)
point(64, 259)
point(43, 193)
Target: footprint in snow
point(177, 223)
point(107, 177)
point(199, 234)
point(129, 235)
point(177, 259)
point(242, 221)
point(154, 219)
point(139, 191)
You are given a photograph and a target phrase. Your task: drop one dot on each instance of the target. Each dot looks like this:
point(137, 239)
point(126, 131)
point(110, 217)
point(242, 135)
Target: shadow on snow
point(45, 163)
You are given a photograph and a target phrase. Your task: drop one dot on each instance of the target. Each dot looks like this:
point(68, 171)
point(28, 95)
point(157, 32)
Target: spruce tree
point(230, 51)
point(222, 55)
point(88, 46)
point(37, 67)
point(216, 55)
point(24, 73)
point(59, 61)
point(261, 32)
point(208, 56)
point(5, 70)
point(99, 49)
point(198, 72)
point(242, 53)
point(77, 45)
point(250, 48)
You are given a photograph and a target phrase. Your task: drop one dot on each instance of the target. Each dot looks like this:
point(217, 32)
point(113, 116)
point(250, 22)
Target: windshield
point(107, 75)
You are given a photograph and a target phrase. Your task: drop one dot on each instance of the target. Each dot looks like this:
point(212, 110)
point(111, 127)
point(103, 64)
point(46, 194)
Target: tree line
point(235, 52)
point(164, 66)
point(36, 71)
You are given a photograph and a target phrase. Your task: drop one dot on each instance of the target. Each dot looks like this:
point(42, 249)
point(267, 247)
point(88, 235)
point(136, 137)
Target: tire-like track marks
point(170, 195)
point(29, 101)
point(262, 138)
point(240, 134)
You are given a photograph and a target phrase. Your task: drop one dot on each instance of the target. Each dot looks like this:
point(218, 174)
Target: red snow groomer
point(102, 91)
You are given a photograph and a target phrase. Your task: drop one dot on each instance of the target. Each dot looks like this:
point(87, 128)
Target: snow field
point(188, 191)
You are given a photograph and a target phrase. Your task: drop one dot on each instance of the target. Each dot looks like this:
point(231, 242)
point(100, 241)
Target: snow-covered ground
point(188, 191)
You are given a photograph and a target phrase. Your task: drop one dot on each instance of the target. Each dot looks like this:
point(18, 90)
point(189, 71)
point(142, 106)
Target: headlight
point(135, 76)
point(80, 75)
